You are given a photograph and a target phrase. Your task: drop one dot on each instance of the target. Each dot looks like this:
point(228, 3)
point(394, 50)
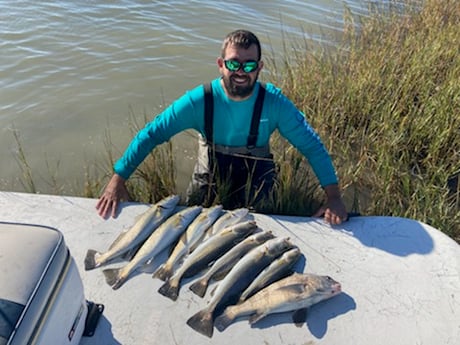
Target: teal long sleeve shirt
point(231, 127)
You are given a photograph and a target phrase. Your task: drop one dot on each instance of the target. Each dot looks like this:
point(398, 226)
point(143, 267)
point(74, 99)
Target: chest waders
point(240, 176)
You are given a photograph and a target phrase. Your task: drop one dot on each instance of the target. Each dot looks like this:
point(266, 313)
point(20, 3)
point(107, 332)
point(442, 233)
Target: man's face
point(239, 84)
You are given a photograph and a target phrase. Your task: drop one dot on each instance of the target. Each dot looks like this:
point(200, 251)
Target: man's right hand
point(114, 192)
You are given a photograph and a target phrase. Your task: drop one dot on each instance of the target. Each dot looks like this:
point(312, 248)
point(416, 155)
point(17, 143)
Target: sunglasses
point(248, 66)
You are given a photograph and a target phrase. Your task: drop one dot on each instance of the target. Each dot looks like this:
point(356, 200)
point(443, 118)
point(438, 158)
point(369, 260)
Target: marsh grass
point(387, 105)
point(26, 179)
point(385, 101)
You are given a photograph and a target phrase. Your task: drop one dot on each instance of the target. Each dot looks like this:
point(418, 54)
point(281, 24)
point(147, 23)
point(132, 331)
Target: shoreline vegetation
point(385, 101)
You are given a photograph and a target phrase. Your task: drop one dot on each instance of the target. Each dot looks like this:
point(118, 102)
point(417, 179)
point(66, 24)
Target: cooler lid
point(26, 252)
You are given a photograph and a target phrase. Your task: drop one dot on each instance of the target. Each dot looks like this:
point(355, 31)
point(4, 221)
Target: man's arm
point(180, 115)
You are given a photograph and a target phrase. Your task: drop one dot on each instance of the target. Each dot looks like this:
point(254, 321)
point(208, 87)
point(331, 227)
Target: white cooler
point(41, 293)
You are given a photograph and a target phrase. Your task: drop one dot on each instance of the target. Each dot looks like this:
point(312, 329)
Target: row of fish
point(254, 266)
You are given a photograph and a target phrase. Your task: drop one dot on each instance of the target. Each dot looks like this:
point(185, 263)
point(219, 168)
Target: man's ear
point(261, 65)
point(221, 65)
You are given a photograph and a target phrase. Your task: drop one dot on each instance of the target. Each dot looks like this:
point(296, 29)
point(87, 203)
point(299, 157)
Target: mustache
point(243, 77)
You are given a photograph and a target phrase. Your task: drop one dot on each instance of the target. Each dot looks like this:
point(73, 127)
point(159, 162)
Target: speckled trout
point(223, 265)
point(136, 235)
point(194, 233)
point(166, 234)
point(207, 252)
point(229, 218)
point(294, 293)
point(238, 279)
point(278, 269)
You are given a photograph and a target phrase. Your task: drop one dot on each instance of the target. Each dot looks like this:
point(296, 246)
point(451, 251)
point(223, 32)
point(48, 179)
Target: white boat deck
point(400, 280)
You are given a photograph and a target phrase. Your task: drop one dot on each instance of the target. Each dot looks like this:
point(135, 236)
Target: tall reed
point(387, 104)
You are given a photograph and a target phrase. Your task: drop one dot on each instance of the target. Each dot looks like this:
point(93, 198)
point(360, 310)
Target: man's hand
point(334, 211)
point(114, 192)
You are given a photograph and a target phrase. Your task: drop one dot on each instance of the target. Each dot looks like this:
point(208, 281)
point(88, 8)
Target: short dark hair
point(241, 39)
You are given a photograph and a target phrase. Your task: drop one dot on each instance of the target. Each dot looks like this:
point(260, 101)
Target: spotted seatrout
point(238, 279)
point(278, 269)
point(294, 293)
point(188, 240)
point(136, 235)
point(208, 251)
point(166, 234)
point(229, 218)
point(223, 265)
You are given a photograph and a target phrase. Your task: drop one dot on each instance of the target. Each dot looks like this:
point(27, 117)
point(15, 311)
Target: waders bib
point(241, 176)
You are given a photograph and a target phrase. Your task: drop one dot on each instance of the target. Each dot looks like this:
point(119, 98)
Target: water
point(71, 71)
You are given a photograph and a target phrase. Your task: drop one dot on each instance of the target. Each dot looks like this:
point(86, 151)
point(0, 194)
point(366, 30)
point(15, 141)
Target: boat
point(400, 280)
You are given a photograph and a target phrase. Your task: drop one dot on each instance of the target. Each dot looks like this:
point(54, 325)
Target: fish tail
point(162, 273)
point(90, 259)
point(113, 278)
point(169, 290)
point(224, 320)
point(199, 287)
point(202, 322)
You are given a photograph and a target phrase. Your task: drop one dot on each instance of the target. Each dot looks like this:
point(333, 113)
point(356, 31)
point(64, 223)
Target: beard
point(238, 90)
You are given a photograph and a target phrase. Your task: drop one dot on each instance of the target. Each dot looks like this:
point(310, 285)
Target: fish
point(226, 262)
point(164, 236)
point(229, 218)
point(236, 281)
point(136, 235)
point(293, 293)
point(189, 239)
point(278, 269)
point(207, 252)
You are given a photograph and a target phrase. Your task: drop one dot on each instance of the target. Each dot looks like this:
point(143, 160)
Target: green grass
point(386, 102)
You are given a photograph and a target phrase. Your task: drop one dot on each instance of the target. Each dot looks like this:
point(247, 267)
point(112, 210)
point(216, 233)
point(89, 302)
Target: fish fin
point(131, 253)
point(221, 274)
point(169, 290)
point(118, 239)
point(90, 259)
point(162, 273)
point(196, 243)
point(256, 317)
point(244, 296)
point(224, 320)
point(112, 277)
point(202, 322)
point(200, 287)
point(147, 267)
point(213, 291)
point(299, 317)
point(293, 288)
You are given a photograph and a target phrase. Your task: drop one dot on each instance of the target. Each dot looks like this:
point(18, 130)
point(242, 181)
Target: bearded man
point(235, 116)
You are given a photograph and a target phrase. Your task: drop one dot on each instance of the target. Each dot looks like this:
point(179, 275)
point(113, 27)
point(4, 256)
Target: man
point(229, 141)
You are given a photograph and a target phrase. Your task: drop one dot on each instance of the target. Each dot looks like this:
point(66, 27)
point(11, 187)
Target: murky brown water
point(72, 70)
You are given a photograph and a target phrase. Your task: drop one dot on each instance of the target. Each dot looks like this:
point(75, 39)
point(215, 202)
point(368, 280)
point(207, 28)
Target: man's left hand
point(334, 211)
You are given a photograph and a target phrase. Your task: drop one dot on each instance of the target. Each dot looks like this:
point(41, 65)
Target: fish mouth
point(337, 288)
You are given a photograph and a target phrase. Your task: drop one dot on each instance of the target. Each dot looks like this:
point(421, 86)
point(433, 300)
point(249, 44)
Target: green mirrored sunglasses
point(248, 66)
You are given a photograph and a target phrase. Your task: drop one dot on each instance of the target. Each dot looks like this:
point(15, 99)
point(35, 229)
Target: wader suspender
point(209, 116)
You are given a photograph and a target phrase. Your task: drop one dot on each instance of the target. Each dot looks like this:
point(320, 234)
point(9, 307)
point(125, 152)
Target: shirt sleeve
point(293, 125)
point(184, 113)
